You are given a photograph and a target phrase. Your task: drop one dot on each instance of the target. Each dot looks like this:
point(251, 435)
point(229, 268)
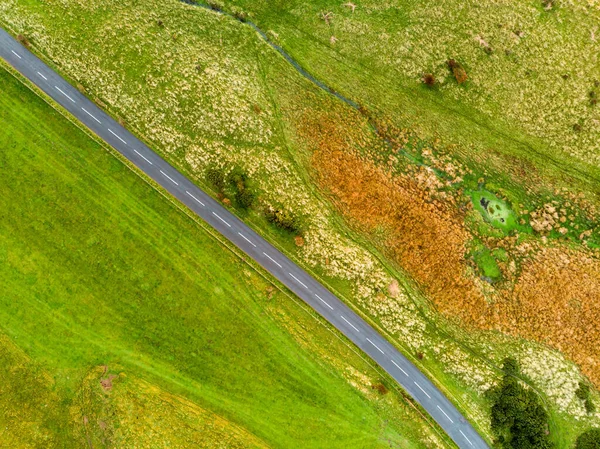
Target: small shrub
point(216, 177)
point(242, 16)
point(244, 198)
point(589, 406)
point(583, 392)
point(589, 440)
point(511, 366)
point(234, 186)
point(283, 219)
point(428, 79)
point(23, 40)
point(380, 388)
point(458, 71)
point(519, 419)
point(160, 23)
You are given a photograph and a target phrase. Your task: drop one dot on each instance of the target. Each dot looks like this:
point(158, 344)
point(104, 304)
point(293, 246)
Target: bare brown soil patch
point(107, 382)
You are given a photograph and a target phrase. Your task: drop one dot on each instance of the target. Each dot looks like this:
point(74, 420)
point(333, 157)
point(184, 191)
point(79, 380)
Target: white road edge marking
point(246, 238)
point(445, 414)
point(273, 260)
point(16, 54)
point(195, 198)
point(469, 441)
point(118, 137)
point(62, 92)
point(143, 157)
point(88, 113)
point(378, 348)
point(421, 388)
point(42, 76)
point(215, 214)
point(299, 281)
point(353, 326)
point(398, 366)
point(323, 301)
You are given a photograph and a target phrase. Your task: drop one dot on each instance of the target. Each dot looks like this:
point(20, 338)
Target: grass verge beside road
point(119, 310)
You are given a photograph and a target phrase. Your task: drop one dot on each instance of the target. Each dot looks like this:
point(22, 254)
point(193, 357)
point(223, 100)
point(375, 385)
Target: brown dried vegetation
point(553, 298)
point(458, 71)
point(423, 234)
point(557, 301)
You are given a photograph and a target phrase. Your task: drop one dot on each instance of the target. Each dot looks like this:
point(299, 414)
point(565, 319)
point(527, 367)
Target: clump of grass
point(460, 74)
point(380, 388)
point(428, 79)
point(593, 98)
point(24, 40)
point(215, 5)
point(239, 14)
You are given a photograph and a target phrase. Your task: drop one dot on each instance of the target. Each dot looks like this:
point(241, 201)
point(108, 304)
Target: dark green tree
point(216, 177)
point(589, 440)
point(519, 420)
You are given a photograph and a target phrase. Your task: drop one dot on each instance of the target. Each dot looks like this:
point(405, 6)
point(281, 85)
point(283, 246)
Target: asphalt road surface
point(271, 259)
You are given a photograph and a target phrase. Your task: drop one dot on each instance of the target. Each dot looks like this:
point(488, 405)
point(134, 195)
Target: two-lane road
point(287, 272)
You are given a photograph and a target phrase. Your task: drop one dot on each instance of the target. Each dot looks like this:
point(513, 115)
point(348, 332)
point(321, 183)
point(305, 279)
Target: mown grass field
point(123, 323)
point(388, 223)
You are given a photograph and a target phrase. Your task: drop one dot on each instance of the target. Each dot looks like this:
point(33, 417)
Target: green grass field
point(205, 90)
point(380, 52)
point(105, 279)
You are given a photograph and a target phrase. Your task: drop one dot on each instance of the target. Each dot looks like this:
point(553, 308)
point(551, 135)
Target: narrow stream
point(281, 51)
point(305, 74)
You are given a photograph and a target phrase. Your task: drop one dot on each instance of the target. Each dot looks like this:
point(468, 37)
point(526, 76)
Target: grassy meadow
point(123, 323)
point(386, 200)
point(531, 80)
